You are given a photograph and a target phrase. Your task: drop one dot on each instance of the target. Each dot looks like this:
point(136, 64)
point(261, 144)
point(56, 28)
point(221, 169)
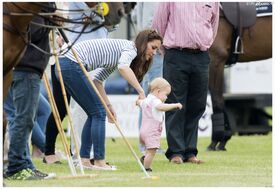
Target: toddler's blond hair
point(158, 83)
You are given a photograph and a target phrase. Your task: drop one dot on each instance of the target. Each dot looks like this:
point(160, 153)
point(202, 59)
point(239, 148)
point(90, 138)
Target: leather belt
point(192, 51)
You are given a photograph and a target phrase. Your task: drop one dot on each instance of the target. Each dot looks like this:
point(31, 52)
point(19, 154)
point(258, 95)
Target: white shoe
point(50, 176)
point(105, 168)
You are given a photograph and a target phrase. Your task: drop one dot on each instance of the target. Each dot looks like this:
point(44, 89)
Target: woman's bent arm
point(129, 75)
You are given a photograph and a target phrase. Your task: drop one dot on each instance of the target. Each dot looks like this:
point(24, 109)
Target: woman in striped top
point(104, 56)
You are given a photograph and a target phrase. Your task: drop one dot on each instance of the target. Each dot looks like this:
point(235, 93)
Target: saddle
point(242, 15)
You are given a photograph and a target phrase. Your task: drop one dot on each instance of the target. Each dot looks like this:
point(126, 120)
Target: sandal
point(93, 162)
point(85, 163)
point(55, 161)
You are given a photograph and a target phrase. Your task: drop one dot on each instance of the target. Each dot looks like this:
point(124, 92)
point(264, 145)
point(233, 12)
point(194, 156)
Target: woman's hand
point(127, 73)
point(110, 120)
point(141, 94)
point(102, 92)
point(138, 102)
point(60, 41)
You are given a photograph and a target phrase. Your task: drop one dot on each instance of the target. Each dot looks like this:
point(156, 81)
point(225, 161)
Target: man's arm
point(161, 17)
point(215, 20)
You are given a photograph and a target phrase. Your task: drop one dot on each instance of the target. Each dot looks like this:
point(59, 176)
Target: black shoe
point(149, 170)
point(56, 162)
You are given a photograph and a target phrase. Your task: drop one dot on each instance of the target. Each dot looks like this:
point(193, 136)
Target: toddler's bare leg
point(149, 156)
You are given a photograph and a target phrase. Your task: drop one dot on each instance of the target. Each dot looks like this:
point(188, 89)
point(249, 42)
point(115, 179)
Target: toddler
point(153, 108)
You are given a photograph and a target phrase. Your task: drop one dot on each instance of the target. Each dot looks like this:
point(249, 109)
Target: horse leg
point(216, 84)
point(227, 133)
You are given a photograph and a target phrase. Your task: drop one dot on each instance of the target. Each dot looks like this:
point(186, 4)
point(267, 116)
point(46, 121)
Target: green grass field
point(247, 163)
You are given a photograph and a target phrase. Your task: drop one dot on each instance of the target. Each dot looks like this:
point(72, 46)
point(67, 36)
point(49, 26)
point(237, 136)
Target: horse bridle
point(96, 11)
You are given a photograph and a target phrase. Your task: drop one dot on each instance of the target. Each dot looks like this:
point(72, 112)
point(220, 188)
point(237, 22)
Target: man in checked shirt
point(188, 31)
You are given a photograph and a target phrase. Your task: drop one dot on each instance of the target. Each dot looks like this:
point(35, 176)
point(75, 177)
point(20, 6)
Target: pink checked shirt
point(186, 24)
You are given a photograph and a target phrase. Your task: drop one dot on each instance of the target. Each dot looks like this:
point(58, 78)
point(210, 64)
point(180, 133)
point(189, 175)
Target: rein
point(64, 11)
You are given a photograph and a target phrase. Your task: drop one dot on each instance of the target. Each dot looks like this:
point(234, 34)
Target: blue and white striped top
point(104, 55)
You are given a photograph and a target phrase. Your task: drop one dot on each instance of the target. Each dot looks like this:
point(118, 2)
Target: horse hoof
point(220, 149)
point(221, 146)
point(210, 148)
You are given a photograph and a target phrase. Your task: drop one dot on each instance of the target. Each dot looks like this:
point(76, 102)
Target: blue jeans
point(80, 89)
point(9, 108)
point(43, 90)
point(154, 72)
point(42, 115)
point(25, 92)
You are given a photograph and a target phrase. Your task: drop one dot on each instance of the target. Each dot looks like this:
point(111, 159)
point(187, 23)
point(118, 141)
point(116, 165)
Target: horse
point(14, 37)
point(257, 45)
point(15, 34)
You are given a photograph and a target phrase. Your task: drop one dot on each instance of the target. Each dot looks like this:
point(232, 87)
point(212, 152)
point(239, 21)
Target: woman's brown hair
point(140, 65)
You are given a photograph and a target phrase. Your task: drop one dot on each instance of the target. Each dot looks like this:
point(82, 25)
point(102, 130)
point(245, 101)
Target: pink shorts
point(150, 139)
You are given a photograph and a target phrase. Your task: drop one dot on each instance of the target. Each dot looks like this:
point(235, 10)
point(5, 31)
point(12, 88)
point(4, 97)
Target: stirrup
point(238, 41)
